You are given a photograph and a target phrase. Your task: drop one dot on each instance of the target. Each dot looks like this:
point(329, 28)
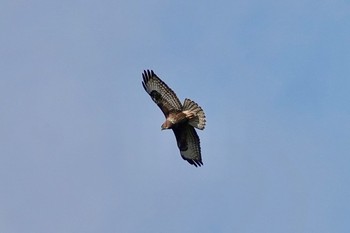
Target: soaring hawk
point(181, 118)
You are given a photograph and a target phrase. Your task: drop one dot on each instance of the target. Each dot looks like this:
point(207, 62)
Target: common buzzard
point(180, 118)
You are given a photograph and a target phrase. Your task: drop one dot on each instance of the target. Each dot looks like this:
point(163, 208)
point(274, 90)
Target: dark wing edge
point(160, 93)
point(189, 144)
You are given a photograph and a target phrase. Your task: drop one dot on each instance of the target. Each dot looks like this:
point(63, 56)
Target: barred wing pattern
point(160, 93)
point(189, 144)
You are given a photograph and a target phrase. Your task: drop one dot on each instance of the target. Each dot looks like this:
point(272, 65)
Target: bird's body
point(174, 119)
point(181, 118)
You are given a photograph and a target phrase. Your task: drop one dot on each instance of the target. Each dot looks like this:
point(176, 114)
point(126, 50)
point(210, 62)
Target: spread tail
point(194, 113)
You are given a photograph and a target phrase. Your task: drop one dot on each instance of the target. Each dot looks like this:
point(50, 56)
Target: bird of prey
point(181, 118)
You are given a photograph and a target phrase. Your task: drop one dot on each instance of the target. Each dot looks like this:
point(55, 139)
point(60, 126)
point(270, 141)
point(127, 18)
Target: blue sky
point(81, 147)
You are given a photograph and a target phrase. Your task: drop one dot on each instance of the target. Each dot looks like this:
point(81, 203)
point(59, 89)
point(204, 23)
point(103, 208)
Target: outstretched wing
point(160, 93)
point(188, 143)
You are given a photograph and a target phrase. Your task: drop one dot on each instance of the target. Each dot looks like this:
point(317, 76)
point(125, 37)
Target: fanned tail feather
point(194, 113)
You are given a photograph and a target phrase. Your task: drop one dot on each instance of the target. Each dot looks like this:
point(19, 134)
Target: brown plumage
point(180, 118)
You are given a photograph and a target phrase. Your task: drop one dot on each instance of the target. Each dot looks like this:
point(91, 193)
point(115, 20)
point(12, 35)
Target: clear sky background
point(80, 143)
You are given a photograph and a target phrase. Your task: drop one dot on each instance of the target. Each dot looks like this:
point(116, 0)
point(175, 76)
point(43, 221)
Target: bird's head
point(166, 125)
